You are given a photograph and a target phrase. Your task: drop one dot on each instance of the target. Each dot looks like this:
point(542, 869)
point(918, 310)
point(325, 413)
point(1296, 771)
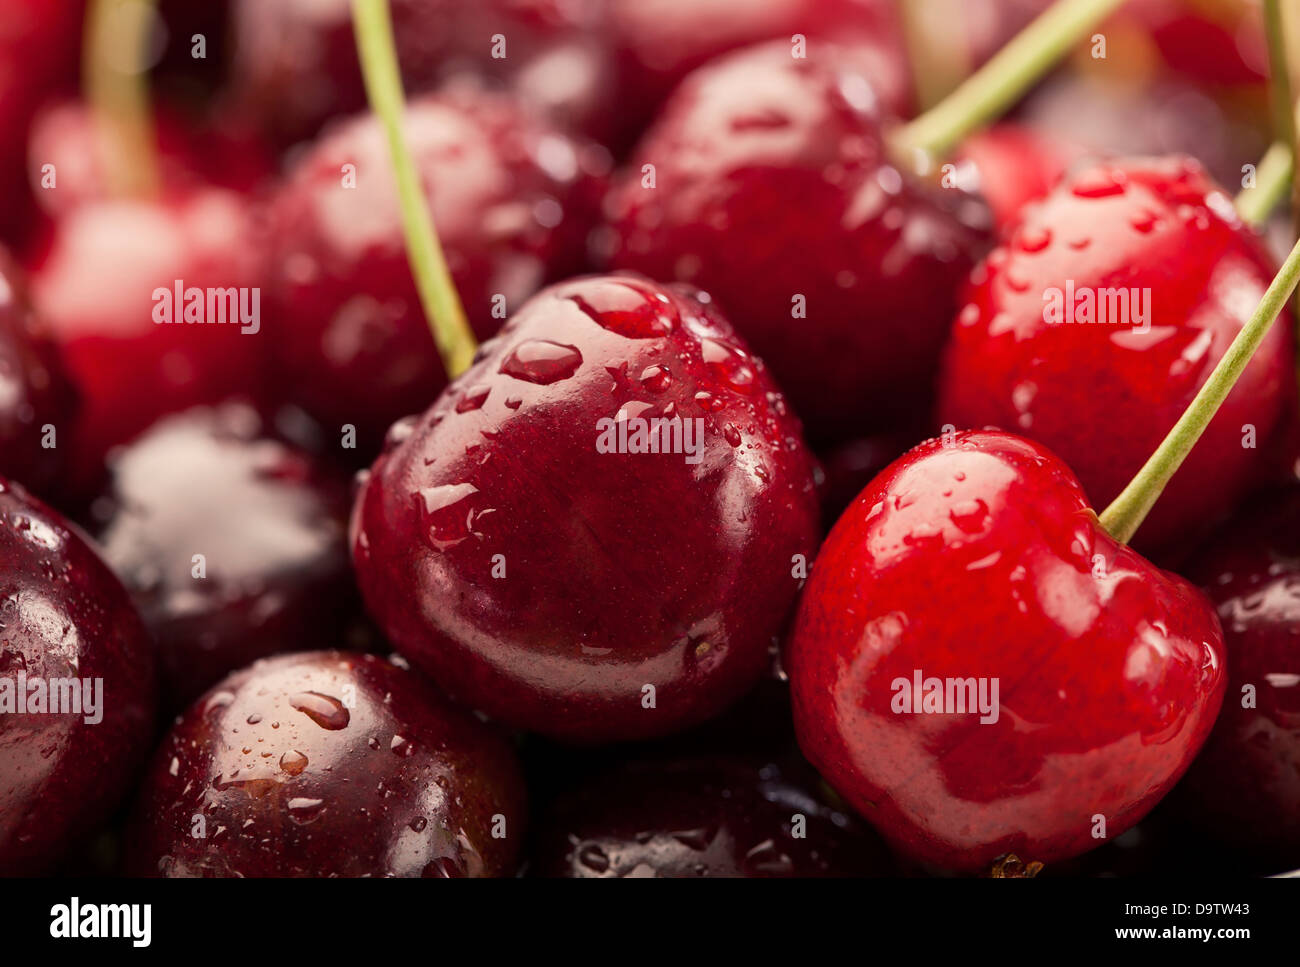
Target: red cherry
point(715, 817)
point(328, 764)
point(98, 289)
point(512, 545)
point(980, 559)
point(1104, 396)
point(34, 389)
point(1015, 165)
point(512, 199)
point(269, 523)
point(773, 192)
point(67, 623)
point(1244, 789)
point(296, 60)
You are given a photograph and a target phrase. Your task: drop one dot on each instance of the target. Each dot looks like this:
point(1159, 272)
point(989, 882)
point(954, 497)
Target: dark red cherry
point(111, 274)
point(703, 817)
point(972, 563)
point(37, 402)
point(1160, 247)
point(295, 61)
point(512, 199)
point(766, 183)
point(521, 544)
point(1244, 789)
point(1014, 165)
point(68, 634)
point(328, 763)
point(232, 541)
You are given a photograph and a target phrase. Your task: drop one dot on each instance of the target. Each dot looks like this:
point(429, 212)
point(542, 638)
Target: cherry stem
point(1273, 177)
point(114, 59)
point(1126, 513)
point(451, 332)
point(997, 85)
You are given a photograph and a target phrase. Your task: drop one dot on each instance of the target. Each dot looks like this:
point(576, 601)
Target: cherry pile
point(769, 450)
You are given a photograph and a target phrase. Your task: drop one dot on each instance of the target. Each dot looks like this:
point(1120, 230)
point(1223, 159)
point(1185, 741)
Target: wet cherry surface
point(97, 289)
point(34, 388)
point(1244, 790)
point(328, 764)
point(1014, 165)
point(268, 523)
point(1157, 246)
point(63, 617)
point(981, 560)
point(726, 816)
point(772, 191)
point(539, 570)
point(512, 199)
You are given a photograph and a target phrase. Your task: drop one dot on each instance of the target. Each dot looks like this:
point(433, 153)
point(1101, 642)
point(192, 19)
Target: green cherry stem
point(1273, 177)
point(997, 85)
point(451, 332)
point(1126, 513)
point(114, 55)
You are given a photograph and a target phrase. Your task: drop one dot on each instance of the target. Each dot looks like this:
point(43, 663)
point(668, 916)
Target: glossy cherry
point(295, 62)
point(96, 287)
point(269, 524)
point(1102, 396)
point(1244, 789)
point(510, 544)
point(704, 817)
point(772, 190)
point(978, 557)
point(63, 616)
point(328, 764)
point(34, 389)
point(512, 198)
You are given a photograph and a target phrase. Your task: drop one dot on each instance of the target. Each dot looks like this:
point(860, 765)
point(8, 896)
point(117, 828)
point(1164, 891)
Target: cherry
point(1102, 396)
point(1244, 790)
point(327, 764)
point(34, 389)
point(978, 557)
point(710, 817)
point(66, 621)
point(296, 60)
point(517, 545)
point(773, 192)
point(1014, 165)
point(266, 524)
point(97, 288)
point(512, 198)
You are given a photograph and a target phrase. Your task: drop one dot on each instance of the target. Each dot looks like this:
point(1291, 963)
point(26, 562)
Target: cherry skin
point(96, 288)
point(512, 198)
point(772, 191)
point(328, 763)
point(979, 557)
point(715, 817)
point(34, 388)
point(64, 616)
point(509, 544)
point(1104, 396)
point(1244, 789)
point(270, 523)
point(1014, 165)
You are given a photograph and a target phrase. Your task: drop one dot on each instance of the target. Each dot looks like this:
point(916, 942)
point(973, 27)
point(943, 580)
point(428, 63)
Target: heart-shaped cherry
point(716, 817)
point(328, 764)
point(766, 182)
point(512, 198)
point(68, 634)
point(1155, 249)
point(107, 288)
point(980, 669)
point(251, 562)
point(523, 543)
point(1244, 789)
point(35, 393)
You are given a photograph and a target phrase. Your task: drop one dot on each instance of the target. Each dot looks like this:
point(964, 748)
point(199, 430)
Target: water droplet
point(419, 823)
point(728, 365)
point(253, 719)
point(399, 432)
point(731, 433)
point(325, 710)
point(447, 516)
point(473, 399)
point(542, 361)
point(304, 810)
point(970, 515)
point(1144, 221)
point(513, 402)
point(624, 308)
point(401, 746)
point(1034, 238)
point(707, 401)
point(768, 858)
point(593, 858)
point(656, 378)
point(293, 762)
point(1100, 183)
